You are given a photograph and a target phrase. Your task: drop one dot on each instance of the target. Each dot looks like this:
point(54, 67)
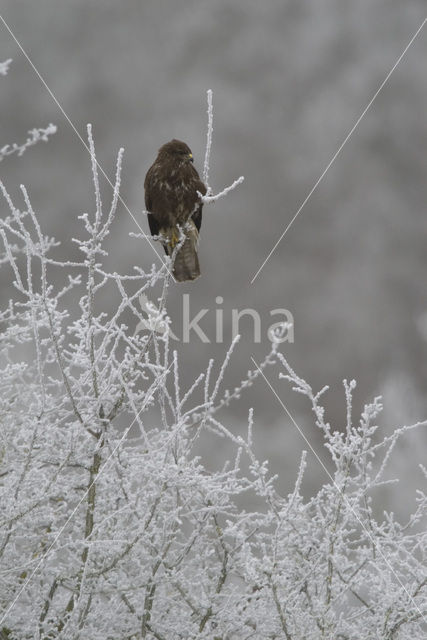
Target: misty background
point(289, 79)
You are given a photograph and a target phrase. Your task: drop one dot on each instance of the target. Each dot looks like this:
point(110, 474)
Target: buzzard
point(171, 198)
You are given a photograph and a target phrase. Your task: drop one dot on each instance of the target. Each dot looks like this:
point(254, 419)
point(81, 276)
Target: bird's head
point(176, 151)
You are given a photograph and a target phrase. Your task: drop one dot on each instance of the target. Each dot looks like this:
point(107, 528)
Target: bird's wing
point(152, 222)
point(201, 188)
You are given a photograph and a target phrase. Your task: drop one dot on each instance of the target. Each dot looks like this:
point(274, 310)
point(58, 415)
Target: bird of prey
point(171, 198)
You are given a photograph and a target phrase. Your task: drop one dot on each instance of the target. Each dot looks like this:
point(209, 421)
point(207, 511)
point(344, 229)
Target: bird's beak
point(190, 157)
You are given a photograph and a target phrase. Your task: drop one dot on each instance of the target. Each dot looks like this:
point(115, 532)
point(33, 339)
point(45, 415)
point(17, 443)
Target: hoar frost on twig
point(35, 135)
point(4, 67)
point(209, 197)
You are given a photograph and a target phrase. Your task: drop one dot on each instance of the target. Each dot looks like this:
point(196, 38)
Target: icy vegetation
point(4, 67)
point(34, 136)
point(110, 525)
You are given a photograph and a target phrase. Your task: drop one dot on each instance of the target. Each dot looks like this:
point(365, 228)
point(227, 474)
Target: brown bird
point(171, 198)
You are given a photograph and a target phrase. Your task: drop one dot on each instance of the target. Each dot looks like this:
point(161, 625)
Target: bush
point(111, 527)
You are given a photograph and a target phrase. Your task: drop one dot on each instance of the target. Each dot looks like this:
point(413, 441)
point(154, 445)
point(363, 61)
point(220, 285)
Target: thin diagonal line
point(284, 407)
point(148, 396)
point(346, 139)
point(74, 128)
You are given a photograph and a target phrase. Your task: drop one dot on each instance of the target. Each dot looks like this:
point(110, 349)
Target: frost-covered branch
point(4, 67)
point(35, 135)
point(208, 143)
point(213, 198)
point(209, 197)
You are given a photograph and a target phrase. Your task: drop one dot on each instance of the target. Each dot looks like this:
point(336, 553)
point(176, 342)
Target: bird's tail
point(186, 265)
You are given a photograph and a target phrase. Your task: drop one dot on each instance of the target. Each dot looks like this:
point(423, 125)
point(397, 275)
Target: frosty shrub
point(110, 526)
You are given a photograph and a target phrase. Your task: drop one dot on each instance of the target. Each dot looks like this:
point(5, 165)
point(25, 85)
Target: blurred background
point(290, 78)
